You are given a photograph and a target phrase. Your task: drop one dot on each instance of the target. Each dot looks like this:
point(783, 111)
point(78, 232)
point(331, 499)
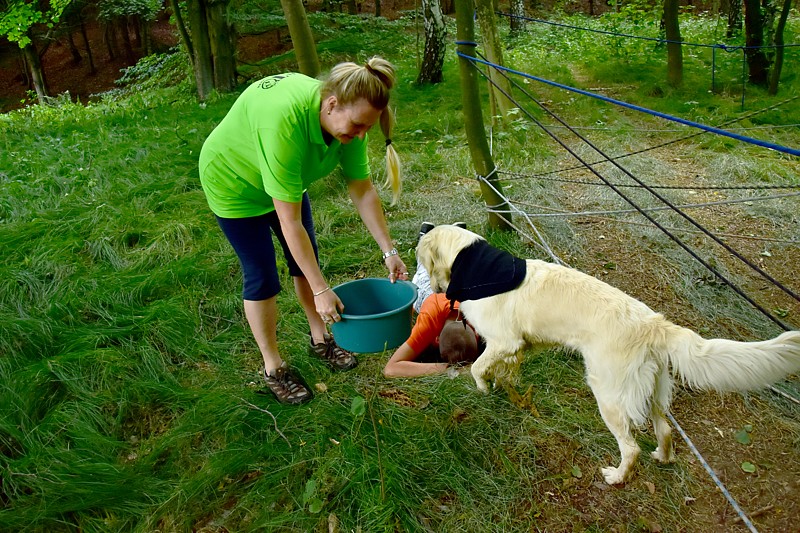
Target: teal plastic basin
point(377, 314)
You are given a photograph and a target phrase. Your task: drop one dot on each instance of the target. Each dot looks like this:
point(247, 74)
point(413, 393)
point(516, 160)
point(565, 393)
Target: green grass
point(128, 376)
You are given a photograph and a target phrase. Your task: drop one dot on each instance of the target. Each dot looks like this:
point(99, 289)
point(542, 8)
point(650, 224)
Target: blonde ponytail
point(392, 160)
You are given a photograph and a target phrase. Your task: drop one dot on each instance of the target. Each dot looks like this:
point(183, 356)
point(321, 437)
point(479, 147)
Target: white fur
point(627, 348)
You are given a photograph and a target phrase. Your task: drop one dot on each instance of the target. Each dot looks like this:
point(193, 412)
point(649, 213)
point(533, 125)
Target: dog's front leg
point(481, 368)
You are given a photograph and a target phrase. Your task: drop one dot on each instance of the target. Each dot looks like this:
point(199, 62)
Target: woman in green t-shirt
point(281, 134)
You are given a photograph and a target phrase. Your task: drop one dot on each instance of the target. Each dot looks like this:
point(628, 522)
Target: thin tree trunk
point(37, 74)
point(85, 37)
point(473, 117)
point(76, 55)
point(305, 49)
point(517, 24)
point(122, 24)
point(110, 37)
point(22, 62)
point(775, 75)
point(187, 41)
point(494, 54)
point(674, 48)
point(757, 61)
point(134, 24)
point(733, 11)
point(435, 47)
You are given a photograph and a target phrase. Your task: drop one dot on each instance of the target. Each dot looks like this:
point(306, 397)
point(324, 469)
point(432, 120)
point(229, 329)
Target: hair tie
point(388, 142)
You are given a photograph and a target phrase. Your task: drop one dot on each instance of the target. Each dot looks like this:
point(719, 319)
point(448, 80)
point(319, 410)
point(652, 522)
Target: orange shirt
point(431, 319)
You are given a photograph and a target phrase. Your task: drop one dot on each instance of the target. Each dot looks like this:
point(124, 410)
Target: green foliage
point(146, 9)
point(19, 16)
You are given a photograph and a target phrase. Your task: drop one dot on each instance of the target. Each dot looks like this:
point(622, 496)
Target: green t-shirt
point(270, 145)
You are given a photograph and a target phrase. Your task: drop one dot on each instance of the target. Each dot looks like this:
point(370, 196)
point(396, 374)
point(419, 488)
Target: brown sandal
point(337, 357)
point(287, 387)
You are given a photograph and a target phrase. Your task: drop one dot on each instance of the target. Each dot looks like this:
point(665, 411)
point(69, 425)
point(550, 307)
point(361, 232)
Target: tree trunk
point(435, 47)
point(134, 22)
point(473, 117)
point(122, 24)
point(733, 11)
point(203, 61)
point(305, 49)
point(76, 55)
point(85, 37)
point(494, 54)
point(147, 42)
point(757, 61)
point(37, 73)
point(187, 41)
point(110, 37)
point(674, 48)
point(223, 47)
point(377, 8)
point(22, 62)
point(775, 75)
point(517, 12)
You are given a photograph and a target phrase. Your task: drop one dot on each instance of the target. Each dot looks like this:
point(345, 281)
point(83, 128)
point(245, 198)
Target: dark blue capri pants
point(251, 239)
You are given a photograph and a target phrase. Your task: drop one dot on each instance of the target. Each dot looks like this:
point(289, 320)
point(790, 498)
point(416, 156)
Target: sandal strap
point(285, 385)
point(337, 356)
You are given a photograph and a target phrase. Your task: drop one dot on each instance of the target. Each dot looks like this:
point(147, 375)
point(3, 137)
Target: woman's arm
point(289, 214)
point(368, 204)
point(402, 364)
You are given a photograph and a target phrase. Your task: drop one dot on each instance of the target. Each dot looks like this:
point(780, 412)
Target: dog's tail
point(726, 365)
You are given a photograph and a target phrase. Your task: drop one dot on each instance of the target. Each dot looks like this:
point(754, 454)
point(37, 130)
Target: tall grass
point(129, 380)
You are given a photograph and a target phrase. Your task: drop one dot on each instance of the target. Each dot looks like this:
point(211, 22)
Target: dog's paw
point(663, 457)
point(482, 385)
point(612, 475)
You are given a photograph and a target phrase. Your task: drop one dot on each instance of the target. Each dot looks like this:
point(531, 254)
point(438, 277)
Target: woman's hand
point(397, 269)
point(328, 306)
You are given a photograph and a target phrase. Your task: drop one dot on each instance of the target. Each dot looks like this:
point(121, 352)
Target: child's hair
point(373, 81)
point(457, 343)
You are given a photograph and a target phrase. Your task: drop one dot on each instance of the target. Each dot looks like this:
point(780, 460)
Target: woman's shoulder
point(287, 82)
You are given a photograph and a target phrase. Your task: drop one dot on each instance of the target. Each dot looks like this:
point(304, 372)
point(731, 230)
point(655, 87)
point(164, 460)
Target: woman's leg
point(251, 239)
point(262, 315)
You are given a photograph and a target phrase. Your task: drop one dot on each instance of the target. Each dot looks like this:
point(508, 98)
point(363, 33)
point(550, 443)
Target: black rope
point(680, 139)
point(519, 175)
point(691, 252)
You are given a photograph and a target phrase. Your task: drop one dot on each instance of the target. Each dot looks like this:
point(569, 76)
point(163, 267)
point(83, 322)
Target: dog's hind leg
point(619, 424)
point(660, 404)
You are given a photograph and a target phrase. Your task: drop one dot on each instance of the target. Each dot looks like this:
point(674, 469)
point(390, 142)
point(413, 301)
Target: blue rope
point(750, 140)
point(713, 475)
point(721, 46)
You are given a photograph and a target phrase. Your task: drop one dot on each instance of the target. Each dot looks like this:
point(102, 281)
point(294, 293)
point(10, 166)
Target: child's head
point(457, 343)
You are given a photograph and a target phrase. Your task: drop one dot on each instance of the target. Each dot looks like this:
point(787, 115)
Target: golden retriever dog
point(627, 347)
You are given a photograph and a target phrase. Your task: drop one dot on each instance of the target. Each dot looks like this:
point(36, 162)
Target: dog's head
point(437, 250)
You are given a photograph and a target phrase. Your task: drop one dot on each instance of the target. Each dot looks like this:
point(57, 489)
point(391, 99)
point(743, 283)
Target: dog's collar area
point(480, 270)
